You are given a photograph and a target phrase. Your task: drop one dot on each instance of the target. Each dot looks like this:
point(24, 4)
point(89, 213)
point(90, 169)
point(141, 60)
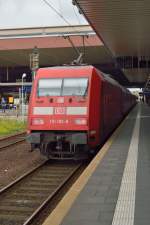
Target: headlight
point(81, 121)
point(37, 121)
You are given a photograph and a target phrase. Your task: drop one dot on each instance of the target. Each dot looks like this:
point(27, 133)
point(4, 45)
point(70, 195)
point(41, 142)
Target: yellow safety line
point(58, 214)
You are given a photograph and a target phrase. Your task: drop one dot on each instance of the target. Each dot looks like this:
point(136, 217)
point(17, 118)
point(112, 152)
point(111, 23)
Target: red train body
point(73, 109)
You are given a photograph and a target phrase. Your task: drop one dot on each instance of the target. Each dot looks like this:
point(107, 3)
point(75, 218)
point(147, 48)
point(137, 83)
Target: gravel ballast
point(16, 160)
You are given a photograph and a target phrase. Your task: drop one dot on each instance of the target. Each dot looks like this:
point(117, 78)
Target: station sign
point(11, 99)
point(27, 89)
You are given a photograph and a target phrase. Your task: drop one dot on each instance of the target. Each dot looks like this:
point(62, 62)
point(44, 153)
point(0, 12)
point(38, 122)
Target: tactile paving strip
point(124, 212)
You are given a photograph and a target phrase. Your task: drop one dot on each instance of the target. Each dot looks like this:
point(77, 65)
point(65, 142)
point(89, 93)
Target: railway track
point(23, 200)
point(11, 140)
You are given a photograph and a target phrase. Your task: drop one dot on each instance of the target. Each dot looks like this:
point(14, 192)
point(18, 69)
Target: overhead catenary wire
point(65, 20)
point(57, 12)
point(60, 6)
point(76, 15)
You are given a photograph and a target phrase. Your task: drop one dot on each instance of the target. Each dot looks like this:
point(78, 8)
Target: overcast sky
point(32, 13)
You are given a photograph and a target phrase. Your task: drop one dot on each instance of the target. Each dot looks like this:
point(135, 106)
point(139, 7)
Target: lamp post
point(22, 98)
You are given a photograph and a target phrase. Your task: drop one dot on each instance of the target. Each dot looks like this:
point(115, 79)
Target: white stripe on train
point(68, 111)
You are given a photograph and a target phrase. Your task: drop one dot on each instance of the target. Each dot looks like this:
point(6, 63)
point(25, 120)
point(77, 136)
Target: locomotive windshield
point(49, 87)
point(75, 86)
point(63, 87)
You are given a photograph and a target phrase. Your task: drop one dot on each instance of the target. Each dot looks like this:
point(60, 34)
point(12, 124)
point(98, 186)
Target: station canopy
point(123, 26)
point(56, 46)
point(53, 44)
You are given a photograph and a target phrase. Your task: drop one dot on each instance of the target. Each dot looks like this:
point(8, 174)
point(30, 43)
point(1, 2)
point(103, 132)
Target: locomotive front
point(58, 113)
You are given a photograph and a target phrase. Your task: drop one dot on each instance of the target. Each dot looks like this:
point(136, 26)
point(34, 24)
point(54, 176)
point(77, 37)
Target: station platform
point(115, 187)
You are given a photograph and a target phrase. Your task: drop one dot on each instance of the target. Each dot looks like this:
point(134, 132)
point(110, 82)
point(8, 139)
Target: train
point(73, 109)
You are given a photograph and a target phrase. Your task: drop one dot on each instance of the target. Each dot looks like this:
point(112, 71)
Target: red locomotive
point(73, 109)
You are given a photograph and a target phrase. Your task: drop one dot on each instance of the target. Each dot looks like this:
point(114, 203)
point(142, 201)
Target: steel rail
point(20, 178)
point(25, 198)
point(11, 140)
point(51, 196)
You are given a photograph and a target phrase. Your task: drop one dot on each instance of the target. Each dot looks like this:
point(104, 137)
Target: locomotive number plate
point(59, 110)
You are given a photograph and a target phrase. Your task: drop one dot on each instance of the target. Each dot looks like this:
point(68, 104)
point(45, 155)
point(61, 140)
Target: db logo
point(59, 110)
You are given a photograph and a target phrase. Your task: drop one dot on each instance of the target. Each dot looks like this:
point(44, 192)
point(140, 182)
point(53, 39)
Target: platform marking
point(58, 214)
point(125, 207)
point(145, 117)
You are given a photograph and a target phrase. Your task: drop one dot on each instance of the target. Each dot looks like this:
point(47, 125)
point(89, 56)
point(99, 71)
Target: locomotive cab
point(58, 113)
